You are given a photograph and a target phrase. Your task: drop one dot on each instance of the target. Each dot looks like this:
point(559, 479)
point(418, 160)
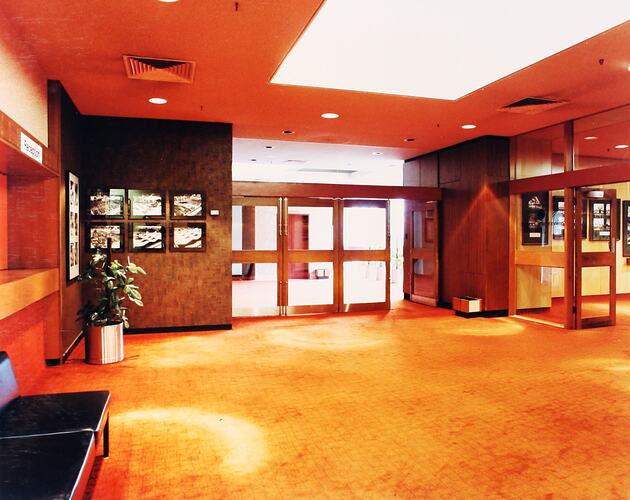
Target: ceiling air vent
point(160, 70)
point(533, 105)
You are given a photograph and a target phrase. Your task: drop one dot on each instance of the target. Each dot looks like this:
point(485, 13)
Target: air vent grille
point(160, 70)
point(533, 105)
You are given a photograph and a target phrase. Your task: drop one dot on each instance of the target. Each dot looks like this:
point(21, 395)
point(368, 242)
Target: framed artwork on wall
point(626, 228)
point(146, 204)
point(187, 205)
point(600, 220)
point(98, 233)
point(147, 237)
point(188, 237)
point(557, 218)
point(535, 210)
point(72, 227)
point(105, 203)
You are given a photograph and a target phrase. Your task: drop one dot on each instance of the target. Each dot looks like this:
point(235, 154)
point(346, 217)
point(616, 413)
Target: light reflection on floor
point(240, 444)
point(481, 327)
point(330, 339)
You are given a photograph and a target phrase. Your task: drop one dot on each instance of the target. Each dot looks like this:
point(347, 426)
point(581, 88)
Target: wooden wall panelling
point(4, 223)
point(180, 289)
point(429, 170)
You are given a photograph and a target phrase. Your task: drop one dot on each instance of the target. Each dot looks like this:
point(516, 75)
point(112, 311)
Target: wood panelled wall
point(180, 289)
point(474, 218)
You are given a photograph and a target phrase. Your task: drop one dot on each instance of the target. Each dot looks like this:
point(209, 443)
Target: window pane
point(254, 228)
point(310, 228)
point(363, 282)
point(254, 286)
point(311, 283)
point(364, 228)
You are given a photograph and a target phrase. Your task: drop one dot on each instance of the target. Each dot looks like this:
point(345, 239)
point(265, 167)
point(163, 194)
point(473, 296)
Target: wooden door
point(422, 224)
point(596, 256)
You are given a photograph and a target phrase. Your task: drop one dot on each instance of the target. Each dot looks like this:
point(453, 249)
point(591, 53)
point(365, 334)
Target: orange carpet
point(591, 306)
point(413, 403)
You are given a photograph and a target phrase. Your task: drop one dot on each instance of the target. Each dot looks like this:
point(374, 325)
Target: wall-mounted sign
point(557, 218)
point(626, 228)
point(600, 220)
point(30, 148)
point(535, 208)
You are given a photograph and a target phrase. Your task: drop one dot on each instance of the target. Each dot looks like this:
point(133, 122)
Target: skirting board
point(177, 329)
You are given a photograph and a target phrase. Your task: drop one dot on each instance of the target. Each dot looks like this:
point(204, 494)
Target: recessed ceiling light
point(409, 139)
point(253, 159)
point(157, 100)
point(590, 138)
point(330, 116)
point(621, 146)
point(336, 51)
point(377, 153)
point(268, 147)
point(469, 126)
point(169, 1)
point(288, 132)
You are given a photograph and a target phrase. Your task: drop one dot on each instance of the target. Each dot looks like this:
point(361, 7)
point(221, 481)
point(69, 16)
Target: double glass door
point(309, 255)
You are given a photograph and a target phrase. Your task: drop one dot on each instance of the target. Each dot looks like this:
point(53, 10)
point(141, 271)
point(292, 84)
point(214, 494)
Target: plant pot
point(104, 344)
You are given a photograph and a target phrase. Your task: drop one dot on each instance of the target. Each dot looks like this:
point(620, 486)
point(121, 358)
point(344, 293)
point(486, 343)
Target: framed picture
point(600, 220)
point(147, 237)
point(145, 204)
point(626, 228)
point(187, 205)
point(72, 227)
point(104, 203)
point(557, 218)
point(535, 209)
point(98, 233)
point(188, 237)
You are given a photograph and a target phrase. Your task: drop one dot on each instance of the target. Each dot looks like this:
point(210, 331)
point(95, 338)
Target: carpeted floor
point(413, 403)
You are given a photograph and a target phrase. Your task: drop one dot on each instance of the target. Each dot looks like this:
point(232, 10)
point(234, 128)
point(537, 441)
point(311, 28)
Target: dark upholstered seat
point(52, 466)
point(51, 413)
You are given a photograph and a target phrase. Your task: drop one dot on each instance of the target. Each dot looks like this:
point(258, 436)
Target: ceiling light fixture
point(469, 126)
point(157, 100)
point(288, 132)
point(253, 159)
point(330, 116)
point(409, 139)
point(268, 147)
point(337, 52)
point(590, 138)
point(621, 146)
point(169, 1)
point(377, 153)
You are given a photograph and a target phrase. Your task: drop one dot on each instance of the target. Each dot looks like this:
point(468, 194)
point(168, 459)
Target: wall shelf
point(20, 288)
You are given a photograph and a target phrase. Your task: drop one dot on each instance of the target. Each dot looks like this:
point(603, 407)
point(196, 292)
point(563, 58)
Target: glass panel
point(424, 229)
point(396, 248)
point(254, 286)
point(540, 293)
point(595, 292)
point(534, 211)
point(423, 277)
point(602, 140)
point(540, 152)
point(363, 282)
point(364, 228)
point(254, 228)
point(310, 228)
point(311, 283)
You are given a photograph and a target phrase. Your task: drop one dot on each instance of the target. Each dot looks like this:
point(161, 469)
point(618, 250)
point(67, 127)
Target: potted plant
point(104, 315)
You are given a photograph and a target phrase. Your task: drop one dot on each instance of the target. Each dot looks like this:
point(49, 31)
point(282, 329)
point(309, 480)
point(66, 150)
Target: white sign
point(30, 148)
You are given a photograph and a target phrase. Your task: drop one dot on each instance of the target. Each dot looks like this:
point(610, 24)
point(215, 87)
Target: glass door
point(310, 248)
point(364, 257)
point(595, 257)
point(422, 220)
point(256, 257)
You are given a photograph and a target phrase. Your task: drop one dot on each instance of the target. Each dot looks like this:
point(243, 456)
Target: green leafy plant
point(110, 287)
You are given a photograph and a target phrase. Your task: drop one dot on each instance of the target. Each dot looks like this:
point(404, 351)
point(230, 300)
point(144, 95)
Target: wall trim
point(177, 329)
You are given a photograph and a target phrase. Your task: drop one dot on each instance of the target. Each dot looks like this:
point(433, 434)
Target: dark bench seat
point(51, 413)
point(51, 466)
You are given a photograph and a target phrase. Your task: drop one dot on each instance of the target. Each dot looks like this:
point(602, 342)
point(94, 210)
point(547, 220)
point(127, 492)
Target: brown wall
point(474, 218)
point(181, 289)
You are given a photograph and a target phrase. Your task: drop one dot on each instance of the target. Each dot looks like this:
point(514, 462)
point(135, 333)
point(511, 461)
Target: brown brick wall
point(181, 289)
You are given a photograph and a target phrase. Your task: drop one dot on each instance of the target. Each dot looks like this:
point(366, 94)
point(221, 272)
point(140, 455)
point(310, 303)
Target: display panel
point(626, 228)
point(72, 227)
point(146, 204)
point(557, 218)
point(147, 237)
point(600, 220)
point(105, 203)
point(187, 205)
point(188, 237)
point(535, 209)
point(98, 234)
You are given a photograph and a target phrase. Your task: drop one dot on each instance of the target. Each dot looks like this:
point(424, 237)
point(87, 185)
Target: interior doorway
point(307, 255)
